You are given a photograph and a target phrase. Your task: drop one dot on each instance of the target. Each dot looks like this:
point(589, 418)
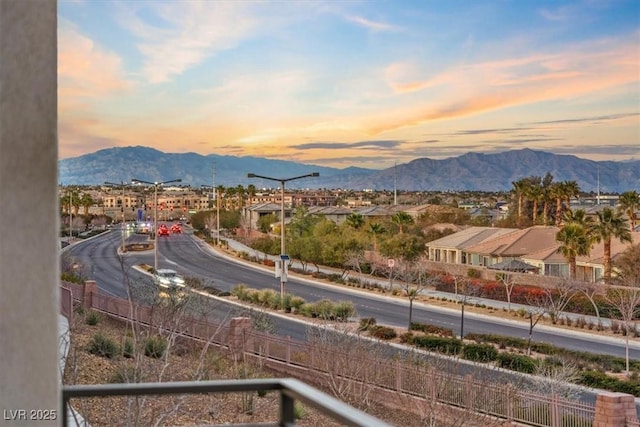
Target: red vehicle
point(175, 228)
point(163, 230)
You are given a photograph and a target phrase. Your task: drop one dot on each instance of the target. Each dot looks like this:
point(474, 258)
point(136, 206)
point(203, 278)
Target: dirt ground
point(186, 362)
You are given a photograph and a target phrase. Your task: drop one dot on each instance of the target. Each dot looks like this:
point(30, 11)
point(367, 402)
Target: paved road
point(192, 257)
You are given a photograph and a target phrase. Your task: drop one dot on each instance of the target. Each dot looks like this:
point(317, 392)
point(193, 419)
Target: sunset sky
point(350, 83)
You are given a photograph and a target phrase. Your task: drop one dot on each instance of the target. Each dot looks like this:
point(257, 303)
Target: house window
point(463, 257)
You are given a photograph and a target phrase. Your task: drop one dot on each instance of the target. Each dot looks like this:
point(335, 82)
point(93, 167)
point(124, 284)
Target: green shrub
point(299, 410)
point(126, 374)
point(93, 318)
point(473, 273)
point(324, 309)
point(431, 329)
point(296, 303)
point(406, 338)
point(155, 347)
point(480, 352)
point(439, 344)
point(382, 332)
point(601, 380)
point(103, 346)
point(516, 362)
point(366, 323)
point(128, 350)
point(343, 310)
point(240, 291)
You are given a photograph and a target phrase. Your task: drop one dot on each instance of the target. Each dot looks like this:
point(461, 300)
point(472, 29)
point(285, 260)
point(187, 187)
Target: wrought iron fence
point(465, 392)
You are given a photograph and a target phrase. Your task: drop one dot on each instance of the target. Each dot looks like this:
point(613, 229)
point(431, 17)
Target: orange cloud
point(86, 71)
point(478, 88)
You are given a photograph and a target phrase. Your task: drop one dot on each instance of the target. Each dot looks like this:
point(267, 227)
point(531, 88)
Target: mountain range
point(471, 171)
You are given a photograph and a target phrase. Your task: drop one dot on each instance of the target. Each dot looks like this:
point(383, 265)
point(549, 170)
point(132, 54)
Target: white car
point(168, 278)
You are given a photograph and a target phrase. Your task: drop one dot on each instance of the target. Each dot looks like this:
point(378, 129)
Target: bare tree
point(430, 386)
point(626, 303)
point(353, 365)
point(590, 291)
point(557, 377)
point(414, 278)
point(508, 281)
point(551, 301)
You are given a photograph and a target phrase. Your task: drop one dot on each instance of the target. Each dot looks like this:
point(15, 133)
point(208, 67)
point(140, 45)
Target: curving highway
point(192, 257)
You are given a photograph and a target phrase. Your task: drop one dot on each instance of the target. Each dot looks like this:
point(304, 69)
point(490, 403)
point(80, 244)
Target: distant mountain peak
point(471, 171)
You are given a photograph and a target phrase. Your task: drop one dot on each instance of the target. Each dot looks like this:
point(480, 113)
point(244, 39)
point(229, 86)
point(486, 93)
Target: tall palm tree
point(520, 189)
point(574, 241)
point(629, 203)
point(375, 228)
point(86, 201)
point(572, 189)
point(402, 219)
point(578, 216)
point(240, 191)
point(547, 185)
point(610, 224)
point(558, 192)
point(535, 194)
point(251, 192)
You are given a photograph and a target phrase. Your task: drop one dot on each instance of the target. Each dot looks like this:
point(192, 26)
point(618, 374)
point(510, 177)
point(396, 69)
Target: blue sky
point(350, 83)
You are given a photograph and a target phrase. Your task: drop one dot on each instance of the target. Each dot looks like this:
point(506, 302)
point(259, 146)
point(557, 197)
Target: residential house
point(251, 214)
point(336, 214)
point(514, 245)
point(453, 248)
point(591, 268)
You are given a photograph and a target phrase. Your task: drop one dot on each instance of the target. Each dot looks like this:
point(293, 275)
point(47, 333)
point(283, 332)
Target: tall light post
point(283, 253)
point(70, 215)
point(155, 215)
point(122, 228)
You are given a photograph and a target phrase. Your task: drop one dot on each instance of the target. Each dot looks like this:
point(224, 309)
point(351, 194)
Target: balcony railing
point(290, 390)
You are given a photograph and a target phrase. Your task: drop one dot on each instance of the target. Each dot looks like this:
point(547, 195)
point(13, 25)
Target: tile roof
point(469, 237)
point(519, 242)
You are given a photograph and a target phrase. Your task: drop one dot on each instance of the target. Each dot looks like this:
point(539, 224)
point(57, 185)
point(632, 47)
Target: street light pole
point(70, 215)
point(283, 253)
point(155, 215)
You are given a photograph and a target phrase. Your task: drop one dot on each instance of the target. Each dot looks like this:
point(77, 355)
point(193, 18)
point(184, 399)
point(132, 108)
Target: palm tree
point(610, 224)
point(251, 192)
point(535, 194)
point(240, 191)
point(520, 188)
point(547, 185)
point(402, 219)
point(355, 220)
point(574, 241)
point(572, 190)
point(86, 201)
point(629, 203)
point(375, 228)
point(558, 191)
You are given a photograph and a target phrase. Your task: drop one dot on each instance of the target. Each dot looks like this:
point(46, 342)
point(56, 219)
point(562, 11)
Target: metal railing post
point(287, 414)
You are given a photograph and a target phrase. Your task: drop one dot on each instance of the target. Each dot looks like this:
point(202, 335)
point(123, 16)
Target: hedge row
point(323, 309)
